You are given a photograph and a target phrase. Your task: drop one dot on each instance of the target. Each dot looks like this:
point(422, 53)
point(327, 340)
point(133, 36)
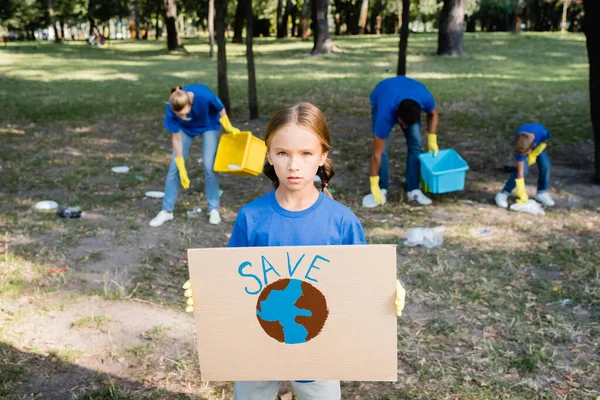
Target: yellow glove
point(188, 294)
point(227, 125)
point(432, 143)
point(375, 190)
point(183, 176)
point(532, 157)
point(400, 296)
point(521, 193)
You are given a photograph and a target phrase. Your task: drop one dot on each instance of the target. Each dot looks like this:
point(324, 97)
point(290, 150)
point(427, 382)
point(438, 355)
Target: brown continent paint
point(273, 329)
point(312, 299)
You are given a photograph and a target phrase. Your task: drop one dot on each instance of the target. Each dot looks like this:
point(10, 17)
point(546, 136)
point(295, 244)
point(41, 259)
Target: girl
point(529, 147)
point(193, 110)
point(295, 214)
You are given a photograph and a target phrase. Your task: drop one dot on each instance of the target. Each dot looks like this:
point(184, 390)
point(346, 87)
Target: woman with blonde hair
point(193, 111)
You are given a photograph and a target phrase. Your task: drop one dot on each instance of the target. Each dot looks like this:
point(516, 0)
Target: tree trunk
point(322, 41)
point(286, 18)
point(293, 15)
point(147, 20)
point(134, 20)
point(403, 38)
point(399, 25)
point(211, 27)
point(53, 21)
point(563, 24)
point(304, 30)
point(170, 18)
point(519, 9)
point(378, 16)
point(252, 95)
point(362, 20)
point(221, 10)
point(471, 23)
point(281, 25)
point(450, 37)
point(338, 24)
point(238, 23)
point(61, 29)
point(157, 31)
point(92, 25)
point(592, 34)
point(181, 25)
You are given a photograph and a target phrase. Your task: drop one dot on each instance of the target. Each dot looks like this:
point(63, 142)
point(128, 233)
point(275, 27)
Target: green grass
point(93, 321)
point(502, 80)
point(18, 275)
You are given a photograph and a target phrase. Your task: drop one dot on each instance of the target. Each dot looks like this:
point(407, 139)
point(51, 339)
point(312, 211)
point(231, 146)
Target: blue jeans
point(543, 162)
point(210, 141)
point(413, 165)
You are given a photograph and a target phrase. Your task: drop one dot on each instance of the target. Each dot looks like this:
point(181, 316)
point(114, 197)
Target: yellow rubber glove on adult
point(400, 296)
point(432, 144)
point(521, 193)
point(183, 176)
point(532, 157)
point(187, 286)
point(375, 190)
point(226, 124)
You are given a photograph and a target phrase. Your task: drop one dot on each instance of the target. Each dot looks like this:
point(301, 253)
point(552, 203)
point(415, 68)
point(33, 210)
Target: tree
point(377, 18)
point(592, 34)
point(304, 30)
point(134, 20)
point(403, 46)
point(211, 27)
point(362, 20)
point(7, 9)
point(450, 36)
point(170, 18)
point(238, 22)
point(563, 23)
point(99, 12)
point(252, 96)
point(221, 11)
point(57, 38)
point(322, 40)
point(280, 25)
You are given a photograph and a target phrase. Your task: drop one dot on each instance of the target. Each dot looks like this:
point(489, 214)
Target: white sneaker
point(501, 200)
point(545, 199)
point(161, 218)
point(214, 218)
point(419, 197)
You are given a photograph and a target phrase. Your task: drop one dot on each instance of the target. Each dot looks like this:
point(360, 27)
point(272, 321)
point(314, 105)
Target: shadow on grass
point(30, 375)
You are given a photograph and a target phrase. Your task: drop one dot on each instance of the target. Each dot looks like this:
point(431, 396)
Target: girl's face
point(296, 154)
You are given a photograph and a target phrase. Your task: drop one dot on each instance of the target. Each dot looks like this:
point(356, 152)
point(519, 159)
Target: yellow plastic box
point(242, 154)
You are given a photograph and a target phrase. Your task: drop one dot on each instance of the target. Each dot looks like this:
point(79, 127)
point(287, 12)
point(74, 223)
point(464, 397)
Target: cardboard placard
point(296, 313)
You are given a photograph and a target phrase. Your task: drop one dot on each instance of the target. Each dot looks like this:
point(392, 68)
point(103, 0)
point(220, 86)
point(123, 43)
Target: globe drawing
point(291, 311)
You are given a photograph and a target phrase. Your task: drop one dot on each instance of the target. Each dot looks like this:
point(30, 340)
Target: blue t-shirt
point(387, 96)
point(263, 222)
point(204, 115)
point(541, 135)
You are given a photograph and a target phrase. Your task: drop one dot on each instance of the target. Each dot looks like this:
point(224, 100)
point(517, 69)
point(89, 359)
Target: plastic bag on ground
point(530, 207)
point(426, 237)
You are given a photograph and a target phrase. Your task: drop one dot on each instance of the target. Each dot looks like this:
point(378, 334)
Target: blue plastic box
point(444, 173)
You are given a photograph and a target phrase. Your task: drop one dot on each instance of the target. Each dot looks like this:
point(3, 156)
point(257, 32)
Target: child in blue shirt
point(193, 111)
point(296, 214)
point(529, 147)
